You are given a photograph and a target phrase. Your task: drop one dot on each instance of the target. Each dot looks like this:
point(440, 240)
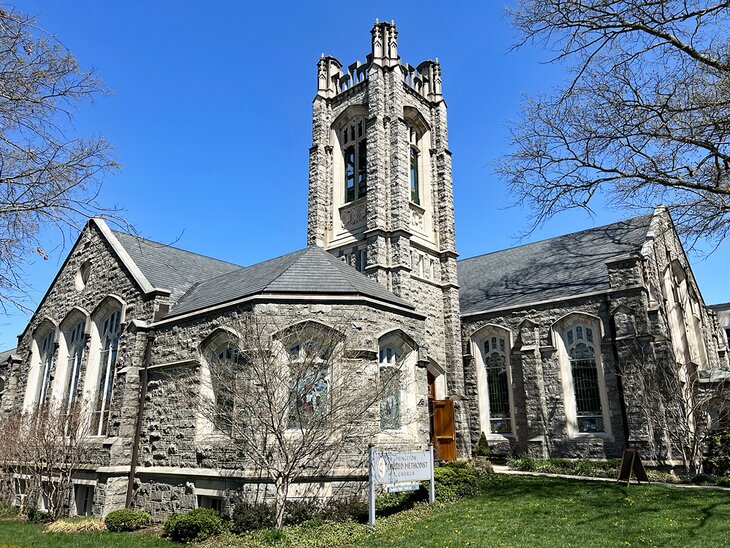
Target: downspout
point(618, 371)
point(143, 375)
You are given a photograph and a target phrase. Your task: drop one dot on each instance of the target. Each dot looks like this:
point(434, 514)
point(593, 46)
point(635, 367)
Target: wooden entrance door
point(443, 431)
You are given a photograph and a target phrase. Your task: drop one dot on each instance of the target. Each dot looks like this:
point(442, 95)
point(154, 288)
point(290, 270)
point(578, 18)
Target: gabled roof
point(171, 268)
point(561, 267)
point(5, 354)
point(308, 271)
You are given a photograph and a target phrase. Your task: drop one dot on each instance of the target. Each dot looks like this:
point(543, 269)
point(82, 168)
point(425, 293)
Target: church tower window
point(355, 157)
point(415, 196)
point(414, 155)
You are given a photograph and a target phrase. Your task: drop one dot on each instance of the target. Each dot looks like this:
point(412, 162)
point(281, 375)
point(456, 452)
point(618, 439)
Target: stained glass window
point(75, 342)
point(355, 158)
point(47, 352)
point(584, 369)
point(415, 191)
point(390, 403)
point(309, 389)
point(495, 363)
point(110, 332)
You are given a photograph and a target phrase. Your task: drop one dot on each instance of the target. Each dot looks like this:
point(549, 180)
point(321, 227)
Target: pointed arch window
point(47, 351)
point(225, 359)
point(310, 372)
point(580, 346)
point(496, 366)
point(354, 150)
point(391, 401)
point(75, 341)
point(415, 192)
point(109, 333)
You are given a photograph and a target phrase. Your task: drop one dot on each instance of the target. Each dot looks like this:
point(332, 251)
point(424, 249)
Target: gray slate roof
point(308, 271)
point(171, 268)
point(560, 267)
point(5, 354)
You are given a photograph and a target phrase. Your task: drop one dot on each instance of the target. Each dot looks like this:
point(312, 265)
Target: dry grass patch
point(76, 525)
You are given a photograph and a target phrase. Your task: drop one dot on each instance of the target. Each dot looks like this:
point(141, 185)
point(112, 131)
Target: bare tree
point(682, 406)
point(644, 117)
point(48, 175)
point(295, 401)
point(40, 451)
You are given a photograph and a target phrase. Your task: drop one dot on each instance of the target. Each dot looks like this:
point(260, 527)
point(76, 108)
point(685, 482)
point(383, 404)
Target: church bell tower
point(380, 189)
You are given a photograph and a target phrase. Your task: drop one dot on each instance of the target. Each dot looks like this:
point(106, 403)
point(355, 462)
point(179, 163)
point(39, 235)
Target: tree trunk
point(282, 490)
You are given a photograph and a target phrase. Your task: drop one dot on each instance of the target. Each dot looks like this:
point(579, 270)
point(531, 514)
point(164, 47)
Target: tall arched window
point(224, 359)
point(396, 361)
point(109, 333)
point(495, 365)
point(391, 401)
point(354, 151)
point(310, 372)
point(41, 366)
point(491, 347)
point(580, 346)
point(47, 352)
point(75, 341)
point(414, 166)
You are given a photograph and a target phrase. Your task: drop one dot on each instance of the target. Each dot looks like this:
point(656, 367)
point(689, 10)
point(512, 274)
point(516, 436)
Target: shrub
point(198, 524)
point(126, 519)
point(455, 481)
point(345, 509)
point(482, 448)
point(703, 479)
point(299, 511)
point(392, 503)
point(249, 516)
point(524, 464)
point(37, 516)
point(718, 453)
point(724, 481)
point(9, 511)
point(75, 525)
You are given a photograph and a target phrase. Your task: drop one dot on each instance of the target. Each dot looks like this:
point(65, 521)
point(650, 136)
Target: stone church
point(523, 345)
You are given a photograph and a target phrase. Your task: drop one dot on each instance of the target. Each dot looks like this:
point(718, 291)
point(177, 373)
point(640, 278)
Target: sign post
point(371, 487)
point(401, 471)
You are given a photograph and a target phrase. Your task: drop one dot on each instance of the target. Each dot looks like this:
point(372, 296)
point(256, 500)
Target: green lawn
point(536, 511)
point(516, 511)
point(14, 533)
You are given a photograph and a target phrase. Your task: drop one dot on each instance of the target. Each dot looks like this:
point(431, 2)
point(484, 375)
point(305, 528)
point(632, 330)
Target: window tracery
point(309, 367)
point(47, 351)
point(496, 364)
point(354, 152)
point(109, 334)
point(580, 346)
point(75, 341)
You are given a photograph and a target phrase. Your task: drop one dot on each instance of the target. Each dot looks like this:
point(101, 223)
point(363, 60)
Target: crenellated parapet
point(333, 79)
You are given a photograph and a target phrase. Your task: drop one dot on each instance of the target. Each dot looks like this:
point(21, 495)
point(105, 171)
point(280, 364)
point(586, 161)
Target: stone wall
point(175, 461)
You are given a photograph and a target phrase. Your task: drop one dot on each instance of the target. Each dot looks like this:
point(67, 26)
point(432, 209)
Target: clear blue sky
point(211, 117)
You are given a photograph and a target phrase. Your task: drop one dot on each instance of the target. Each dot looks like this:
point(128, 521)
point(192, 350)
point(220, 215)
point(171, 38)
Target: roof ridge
point(556, 237)
point(303, 252)
point(160, 244)
point(240, 268)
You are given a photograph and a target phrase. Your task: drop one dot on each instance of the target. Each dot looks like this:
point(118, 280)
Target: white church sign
point(400, 471)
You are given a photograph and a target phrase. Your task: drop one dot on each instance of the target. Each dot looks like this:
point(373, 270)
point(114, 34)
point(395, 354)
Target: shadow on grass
point(599, 503)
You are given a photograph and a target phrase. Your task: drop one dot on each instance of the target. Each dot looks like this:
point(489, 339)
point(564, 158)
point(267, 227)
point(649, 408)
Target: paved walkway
point(501, 469)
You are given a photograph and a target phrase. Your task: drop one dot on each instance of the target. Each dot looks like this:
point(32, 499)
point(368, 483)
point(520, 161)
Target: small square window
point(214, 503)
